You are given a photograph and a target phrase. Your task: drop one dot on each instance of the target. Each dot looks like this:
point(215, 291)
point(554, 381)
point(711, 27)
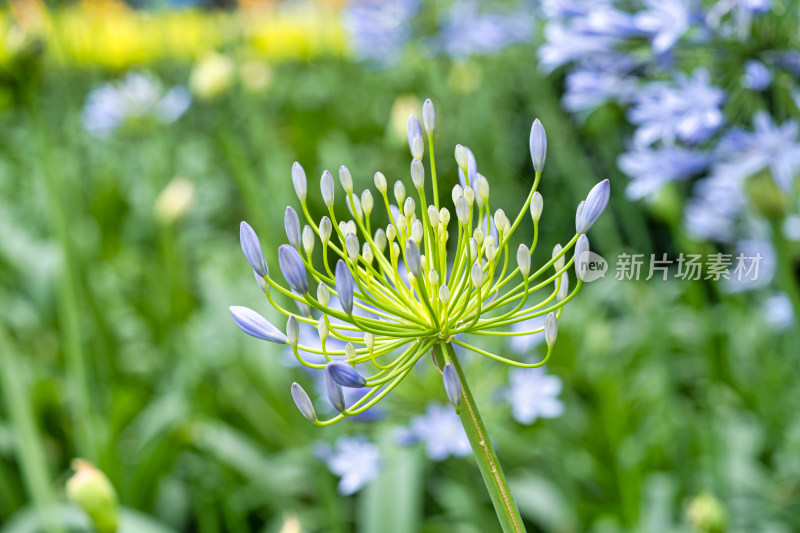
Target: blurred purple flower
point(533, 394)
point(440, 430)
point(380, 29)
point(356, 460)
point(138, 96)
point(651, 168)
point(712, 212)
point(779, 311)
point(468, 30)
point(688, 110)
point(665, 21)
point(756, 76)
point(590, 87)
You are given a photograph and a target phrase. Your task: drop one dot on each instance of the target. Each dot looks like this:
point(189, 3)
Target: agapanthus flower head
point(426, 280)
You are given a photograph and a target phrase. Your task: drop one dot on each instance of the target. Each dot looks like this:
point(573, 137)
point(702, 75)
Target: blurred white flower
point(355, 460)
point(533, 394)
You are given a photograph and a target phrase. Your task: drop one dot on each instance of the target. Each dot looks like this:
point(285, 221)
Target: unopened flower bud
point(350, 351)
point(578, 213)
point(292, 331)
point(429, 117)
point(537, 204)
point(323, 295)
point(326, 188)
point(524, 260)
point(299, 181)
point(412, 130)
point(366, 253)
point(262, 283)
point(346, 179)
point(251, 247)
point(345, 375)
point(476, 274)
point(391, 232)
point(581, 261)
point(413, 259)
point(292, 268)
point(334, 391)
point(559, 264)
point(369, 340)
point(462, 211)
point(399, 192)
point(417, 173)
point(500, 220)
point(367, 203)
point(256, 325)
point(563, 287)
point(538, 145)
point(322, 328)
point(402, 224)
point(596, 202)
point(416, 231)
point(433, 216)
point(458, 192)
point(395, 253)
point(452, 385)
point(90, 489)
point(550, 329)
point(350, 228)
point(433, 277)
point(462, 157)
point(344, 286)
point(444, 216)
point(478, 236)
point(444, 294)
point(325, 229)
point(303, 402)
point(380, 182)
point(351, 245)
point(469, 194)
point(473, 250)
point(308, 239)
point(380, 240)
point(291, 224)
point(491, 250)
point(417, 147)
point(409, 206)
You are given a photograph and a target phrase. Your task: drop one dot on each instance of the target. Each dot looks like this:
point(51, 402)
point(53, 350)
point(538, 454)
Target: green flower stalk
point(466, 276)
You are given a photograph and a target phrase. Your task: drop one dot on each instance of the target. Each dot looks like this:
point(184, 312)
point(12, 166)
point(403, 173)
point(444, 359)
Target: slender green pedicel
point(459, 282)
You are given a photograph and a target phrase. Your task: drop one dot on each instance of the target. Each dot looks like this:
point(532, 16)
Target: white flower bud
point(581, 247)
point(491, 250)
point(308, 239)
point(291, 224)
point(399, 192)
point(367, 202)
point(462, 211)
point(350, 351)
point(417, 173)
point(299, 181)
point(444, 294)
point(444, 216)
point(416, 231)
point(391, 232)
point(433, 216)
point(579, 213)
point(326, 187)
point(395, 251)
point(473, 250)
point(380, 182)
point(346, 179)
point(350, 228)
point(476, 274)
point(428, 117)
point(413, 258)
point(369, 340)
point(550, 329)
point(409, 206)
point(402, 224)
point(292, 331)
point(343, 226)
point(322, 328)
point(424, 261)
point(483, 188)
point(563, 289)
point(433, 277)
point(559, 264)
point(469, 194)
point(380, 240)
point(524, 260)
point(323, 294)
point(462, 157)
point(366, 253)
point(478, 236)
point(351, 244)
point(417, 147)
point(458, 192)
point(538, 145)
point(499, 220)
point(325, 229)
point(537, 204)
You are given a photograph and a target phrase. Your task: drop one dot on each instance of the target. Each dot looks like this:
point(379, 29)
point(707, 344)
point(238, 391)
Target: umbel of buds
point(466, 275)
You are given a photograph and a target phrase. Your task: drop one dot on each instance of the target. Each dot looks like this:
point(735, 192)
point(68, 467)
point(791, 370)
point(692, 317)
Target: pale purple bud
point(417, 173)
point(550, 329)
point(299, 181)
point(345, 375)
point(303, 402)
point(293, 269)
point(291, 224)
point(596, 202)
point(563, 289)
point(579, 212)
point(326, 188)
point(538, 145)
point(292, 331)
point(256, 325)
point(581, 247)
point(325, 229)
point(346, 179)
point(413, 258)
point(251, 247)
point(462, 210)
point(344, 286)
point(559, 264)
point(429, 117)
point(414, 128)
point(417, 147)
point(262, 283)
point(452, 385)
point(380, 240)
point(471, 169)
point(334, 391)
point(351, 245)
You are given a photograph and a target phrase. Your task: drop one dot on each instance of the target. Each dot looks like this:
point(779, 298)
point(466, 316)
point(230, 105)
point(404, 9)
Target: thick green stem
point(482, 449)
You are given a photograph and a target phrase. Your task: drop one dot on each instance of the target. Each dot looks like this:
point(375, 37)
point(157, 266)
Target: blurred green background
point(119, 256)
